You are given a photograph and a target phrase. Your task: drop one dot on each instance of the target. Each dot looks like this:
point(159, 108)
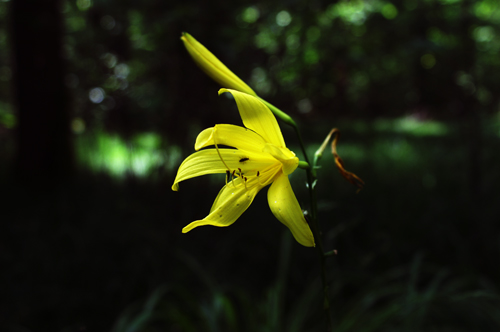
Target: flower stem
point(313, 222)
point(319, 242)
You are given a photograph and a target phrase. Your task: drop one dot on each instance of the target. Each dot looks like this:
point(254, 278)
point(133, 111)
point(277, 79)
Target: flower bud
point(213, 67)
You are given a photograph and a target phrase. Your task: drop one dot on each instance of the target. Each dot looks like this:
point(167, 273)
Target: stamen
point(217, 148)
point(245, 182)
point(228, 174)
point(232, 178)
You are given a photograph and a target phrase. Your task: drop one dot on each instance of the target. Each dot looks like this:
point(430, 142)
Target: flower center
point(252, 171)
point(287, 158)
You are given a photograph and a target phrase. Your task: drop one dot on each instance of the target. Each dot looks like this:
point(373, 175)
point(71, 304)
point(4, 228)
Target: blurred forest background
point(100, 102)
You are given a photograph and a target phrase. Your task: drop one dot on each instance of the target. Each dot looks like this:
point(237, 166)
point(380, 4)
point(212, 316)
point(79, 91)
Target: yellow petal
point(230, 135)
point(231, 202)
point(285, 207)
point(204, 138)
point(257, 117)
point(199, 163)
point(212, 66)
point(285, 156)
point(209, 162)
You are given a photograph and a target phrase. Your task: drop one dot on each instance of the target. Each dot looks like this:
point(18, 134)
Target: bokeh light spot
point(141, 155)
point(353, 12)
point(108, 22)
point(78, 125)
point(250, 14)
point(484, 9)
point(311, 56)
point(428, 61)
point(283, 18)
point(96, 95)
point(484, 95)
point(83, 4)
point(122, 70)
point(109, 59)
point(266, 40)
point(259, 80)
point(7, 119)
point(305, 106)
point(484, 34)
point(313, 34)
point(389, 11)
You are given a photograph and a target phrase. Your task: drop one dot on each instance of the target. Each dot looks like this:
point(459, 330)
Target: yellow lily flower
point(212, 66)
point(259, 158)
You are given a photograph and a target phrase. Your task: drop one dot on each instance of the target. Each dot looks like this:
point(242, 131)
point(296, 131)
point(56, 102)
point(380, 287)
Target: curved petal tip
point(286, 209)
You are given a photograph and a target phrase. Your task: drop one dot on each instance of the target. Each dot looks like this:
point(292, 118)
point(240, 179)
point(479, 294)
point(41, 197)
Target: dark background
point(100, 102)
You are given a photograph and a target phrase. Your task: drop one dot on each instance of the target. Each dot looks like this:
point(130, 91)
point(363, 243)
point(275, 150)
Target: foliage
point(412, 87)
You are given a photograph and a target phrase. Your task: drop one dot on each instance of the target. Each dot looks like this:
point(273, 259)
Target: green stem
point(319, 244)
point(311, 177)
